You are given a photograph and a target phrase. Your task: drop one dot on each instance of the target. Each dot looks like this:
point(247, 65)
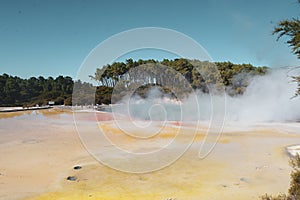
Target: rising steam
point(268, 98)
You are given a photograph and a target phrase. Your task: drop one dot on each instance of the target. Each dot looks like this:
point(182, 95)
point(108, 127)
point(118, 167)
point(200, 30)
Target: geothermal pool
point(39, 150)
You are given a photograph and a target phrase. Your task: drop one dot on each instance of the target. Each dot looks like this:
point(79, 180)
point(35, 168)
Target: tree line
point(15, 91)
point(179, 75)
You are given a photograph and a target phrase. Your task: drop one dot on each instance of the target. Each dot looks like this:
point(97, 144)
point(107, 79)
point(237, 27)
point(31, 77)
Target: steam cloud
point(267, 99)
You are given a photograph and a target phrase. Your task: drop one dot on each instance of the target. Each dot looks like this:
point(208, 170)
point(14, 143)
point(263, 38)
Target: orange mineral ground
point(39, 150)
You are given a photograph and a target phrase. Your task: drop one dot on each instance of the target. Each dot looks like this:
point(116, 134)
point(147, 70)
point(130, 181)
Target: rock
point(71, 178)
point(244, 180)
point(31, 141)
point(77, 167)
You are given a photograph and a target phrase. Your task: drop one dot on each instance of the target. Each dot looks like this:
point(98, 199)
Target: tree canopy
point(179, 75)
point(291, 29)
point(15, 91)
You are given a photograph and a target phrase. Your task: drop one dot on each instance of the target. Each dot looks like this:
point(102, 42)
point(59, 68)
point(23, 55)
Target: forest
point(179, 76)
point(15, 91)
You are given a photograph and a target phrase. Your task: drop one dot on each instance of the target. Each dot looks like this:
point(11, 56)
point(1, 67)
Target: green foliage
point(290, 29)
point(15, 91)
point(178, 76)
point(294, 190)
point(83, 93)
point(297, 80)
point(68, 101)
point(103, 95)
point(143, 91)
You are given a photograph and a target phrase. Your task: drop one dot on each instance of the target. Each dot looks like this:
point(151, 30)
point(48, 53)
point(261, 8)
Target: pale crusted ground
point(38, 152)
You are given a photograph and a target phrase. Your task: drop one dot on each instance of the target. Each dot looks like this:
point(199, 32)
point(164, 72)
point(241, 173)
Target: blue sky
point(50, 38)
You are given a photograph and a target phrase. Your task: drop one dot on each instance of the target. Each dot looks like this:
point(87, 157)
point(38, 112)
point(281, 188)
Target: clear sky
point(49, 38)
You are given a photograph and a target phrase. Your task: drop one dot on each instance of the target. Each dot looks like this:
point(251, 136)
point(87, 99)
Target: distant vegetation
point(15, 91)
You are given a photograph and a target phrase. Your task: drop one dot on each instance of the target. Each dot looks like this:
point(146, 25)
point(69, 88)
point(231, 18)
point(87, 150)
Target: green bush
point(294, 190)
